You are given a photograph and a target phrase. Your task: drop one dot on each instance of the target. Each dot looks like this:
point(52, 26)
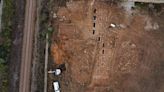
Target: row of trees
point(5, 47)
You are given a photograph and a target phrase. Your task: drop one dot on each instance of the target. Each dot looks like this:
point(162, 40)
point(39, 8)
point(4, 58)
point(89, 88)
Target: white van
point(56, 86)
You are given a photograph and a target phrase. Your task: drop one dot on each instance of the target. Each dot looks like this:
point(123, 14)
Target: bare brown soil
point(128, 59)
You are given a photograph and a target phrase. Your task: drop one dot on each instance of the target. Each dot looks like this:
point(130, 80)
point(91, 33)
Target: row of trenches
point(94, 27)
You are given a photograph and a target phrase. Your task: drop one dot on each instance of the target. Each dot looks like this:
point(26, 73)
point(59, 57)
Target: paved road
point(25, 74)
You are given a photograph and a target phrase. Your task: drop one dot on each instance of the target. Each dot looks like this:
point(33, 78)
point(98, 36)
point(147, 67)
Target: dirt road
point(25, 74)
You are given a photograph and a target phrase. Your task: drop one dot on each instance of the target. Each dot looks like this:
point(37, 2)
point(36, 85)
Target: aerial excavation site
point(109, 46)
point(83, 46)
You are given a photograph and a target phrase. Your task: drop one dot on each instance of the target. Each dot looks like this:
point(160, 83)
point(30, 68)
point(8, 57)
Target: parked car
point(56, 86)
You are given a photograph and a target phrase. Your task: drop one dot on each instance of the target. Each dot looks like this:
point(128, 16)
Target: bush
point(141, 5)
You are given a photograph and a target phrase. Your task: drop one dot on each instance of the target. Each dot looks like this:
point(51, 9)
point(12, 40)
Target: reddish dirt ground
point(121, 59)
